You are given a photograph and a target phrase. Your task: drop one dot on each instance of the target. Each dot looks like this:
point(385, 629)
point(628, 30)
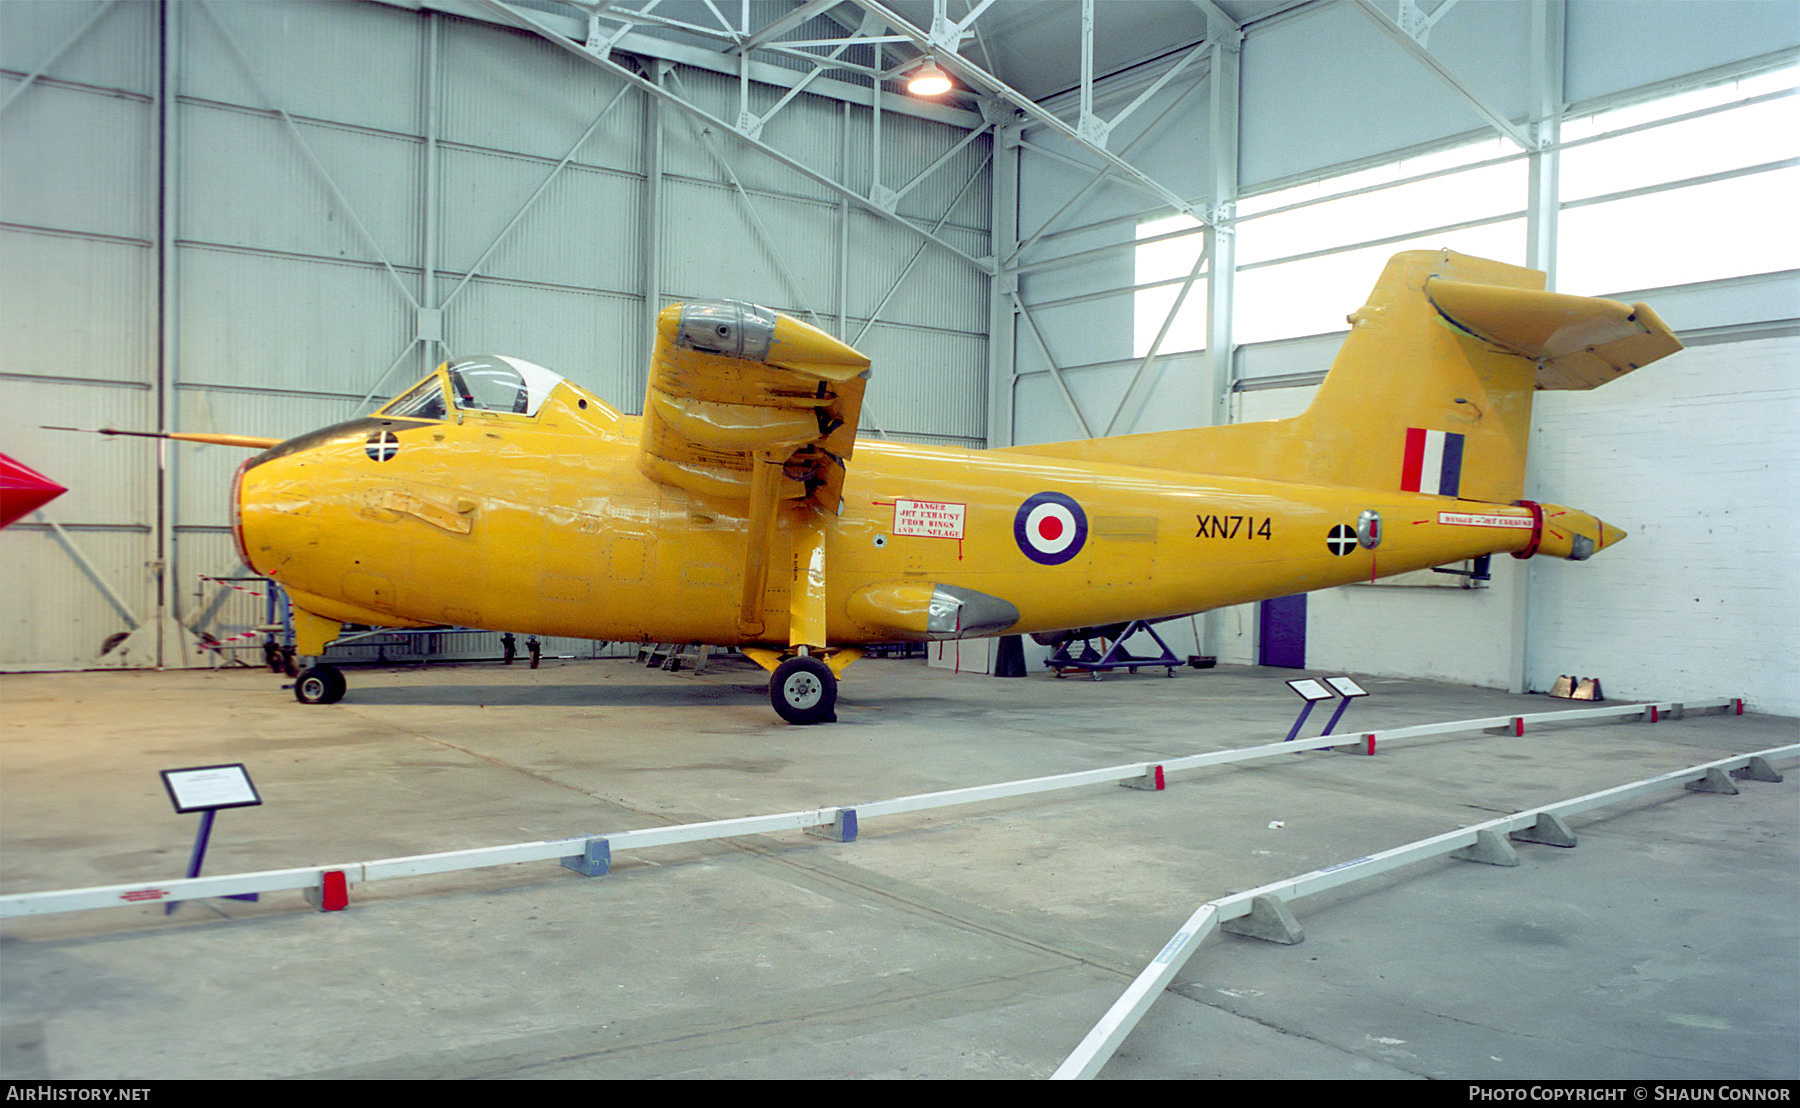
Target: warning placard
point(929, 519)
point(1483, 519)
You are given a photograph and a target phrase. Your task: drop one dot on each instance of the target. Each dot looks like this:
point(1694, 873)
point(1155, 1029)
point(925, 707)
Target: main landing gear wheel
point(320, 685)
point(804, 690)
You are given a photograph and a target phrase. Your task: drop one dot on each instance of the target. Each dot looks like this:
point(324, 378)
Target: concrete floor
point(973, 942)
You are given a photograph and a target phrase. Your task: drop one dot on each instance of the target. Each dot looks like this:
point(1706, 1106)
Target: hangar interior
point(1124, 216)
point(264, 218)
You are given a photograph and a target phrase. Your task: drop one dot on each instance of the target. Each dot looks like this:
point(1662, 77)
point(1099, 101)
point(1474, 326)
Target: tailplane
point(1431, 392)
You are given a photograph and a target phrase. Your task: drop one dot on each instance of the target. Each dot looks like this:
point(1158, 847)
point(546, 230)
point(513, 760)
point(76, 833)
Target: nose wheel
point(804, 690)
point(320, 684)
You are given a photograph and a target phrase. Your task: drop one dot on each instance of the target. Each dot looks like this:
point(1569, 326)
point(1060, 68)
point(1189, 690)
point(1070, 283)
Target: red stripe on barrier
point(334, 892)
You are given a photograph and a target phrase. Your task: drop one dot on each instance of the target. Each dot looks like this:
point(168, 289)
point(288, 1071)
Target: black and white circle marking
point(1342, 540)
point(382, 446)
point(1050, 528)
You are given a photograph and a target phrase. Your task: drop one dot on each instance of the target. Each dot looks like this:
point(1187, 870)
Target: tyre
point(803, 690)
point(320, 685)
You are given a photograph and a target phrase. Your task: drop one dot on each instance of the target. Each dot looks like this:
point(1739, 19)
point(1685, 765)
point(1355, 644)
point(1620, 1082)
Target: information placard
point(199, 788)
point(1310, 689)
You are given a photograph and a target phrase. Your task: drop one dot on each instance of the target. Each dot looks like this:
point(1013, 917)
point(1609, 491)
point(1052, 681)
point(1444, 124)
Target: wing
point(749, 406)
point(735, 388)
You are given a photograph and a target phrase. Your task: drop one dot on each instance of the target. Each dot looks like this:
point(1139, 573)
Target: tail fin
point(1431, 391)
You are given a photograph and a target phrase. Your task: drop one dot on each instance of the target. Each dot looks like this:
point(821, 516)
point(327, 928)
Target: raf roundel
point(1050, 528)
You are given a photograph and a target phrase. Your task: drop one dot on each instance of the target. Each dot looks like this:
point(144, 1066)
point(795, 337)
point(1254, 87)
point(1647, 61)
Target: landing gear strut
point(804, 690)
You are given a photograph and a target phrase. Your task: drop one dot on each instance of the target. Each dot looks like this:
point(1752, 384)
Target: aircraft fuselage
point(546, 525)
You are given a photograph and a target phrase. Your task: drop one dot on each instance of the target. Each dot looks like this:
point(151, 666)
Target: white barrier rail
point(1098, 1047)
point(590, 854)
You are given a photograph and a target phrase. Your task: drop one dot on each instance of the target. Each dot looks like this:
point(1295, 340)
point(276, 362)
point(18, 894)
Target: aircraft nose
point(237, 514)
point(1610, 534)
point(268, 513)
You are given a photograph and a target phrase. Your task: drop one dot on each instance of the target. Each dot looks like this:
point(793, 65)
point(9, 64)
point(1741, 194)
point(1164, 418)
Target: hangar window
point(1308, 255)
point(1166, 253)
point(1693, 187)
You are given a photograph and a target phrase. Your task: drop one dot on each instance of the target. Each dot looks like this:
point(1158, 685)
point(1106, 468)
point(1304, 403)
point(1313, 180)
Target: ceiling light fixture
point(928, 80)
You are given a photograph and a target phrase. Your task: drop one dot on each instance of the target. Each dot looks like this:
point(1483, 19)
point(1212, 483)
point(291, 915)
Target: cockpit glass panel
point(496, 383)
point(424, 401)
point(488, 384)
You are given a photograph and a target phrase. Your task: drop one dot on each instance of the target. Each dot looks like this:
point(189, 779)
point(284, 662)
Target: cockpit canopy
point(484, 382)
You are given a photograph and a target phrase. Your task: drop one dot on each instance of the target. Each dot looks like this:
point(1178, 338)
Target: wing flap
point(1579, 342)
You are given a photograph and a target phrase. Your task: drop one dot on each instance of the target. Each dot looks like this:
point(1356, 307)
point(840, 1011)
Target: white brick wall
point(1698, 458)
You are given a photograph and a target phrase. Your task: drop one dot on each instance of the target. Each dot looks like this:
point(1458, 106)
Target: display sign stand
point(1346, 689)
point(1312, 692)
point(206, 789)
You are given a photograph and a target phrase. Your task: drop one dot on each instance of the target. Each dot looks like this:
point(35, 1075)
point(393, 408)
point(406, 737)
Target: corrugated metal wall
point(337, 187)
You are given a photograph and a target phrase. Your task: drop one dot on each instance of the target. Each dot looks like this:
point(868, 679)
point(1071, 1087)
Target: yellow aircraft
point(740, 509)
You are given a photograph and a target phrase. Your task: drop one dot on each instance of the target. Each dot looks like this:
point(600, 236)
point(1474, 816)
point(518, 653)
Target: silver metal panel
point(927, 382)
point(1174, 398)
point(1040, 412)
point(1328, 87)
point(91, 165)
point(247, 181)
point(1612, 51)
point(1051, 278)
point(110, 480)
point(304, 325)
point(714, 249)
point(62, 615)
point(938, 290)
point(78, 308)
point(357, 64)
point(580, 232)
point(1740, 302)
point(1086, 333)
point(117, 52)
point(1059, 199)
point(809, 132)
point(908, 147)
point(504, 91)
point(1288, 359)
point(807, 129)
point(226, 611)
